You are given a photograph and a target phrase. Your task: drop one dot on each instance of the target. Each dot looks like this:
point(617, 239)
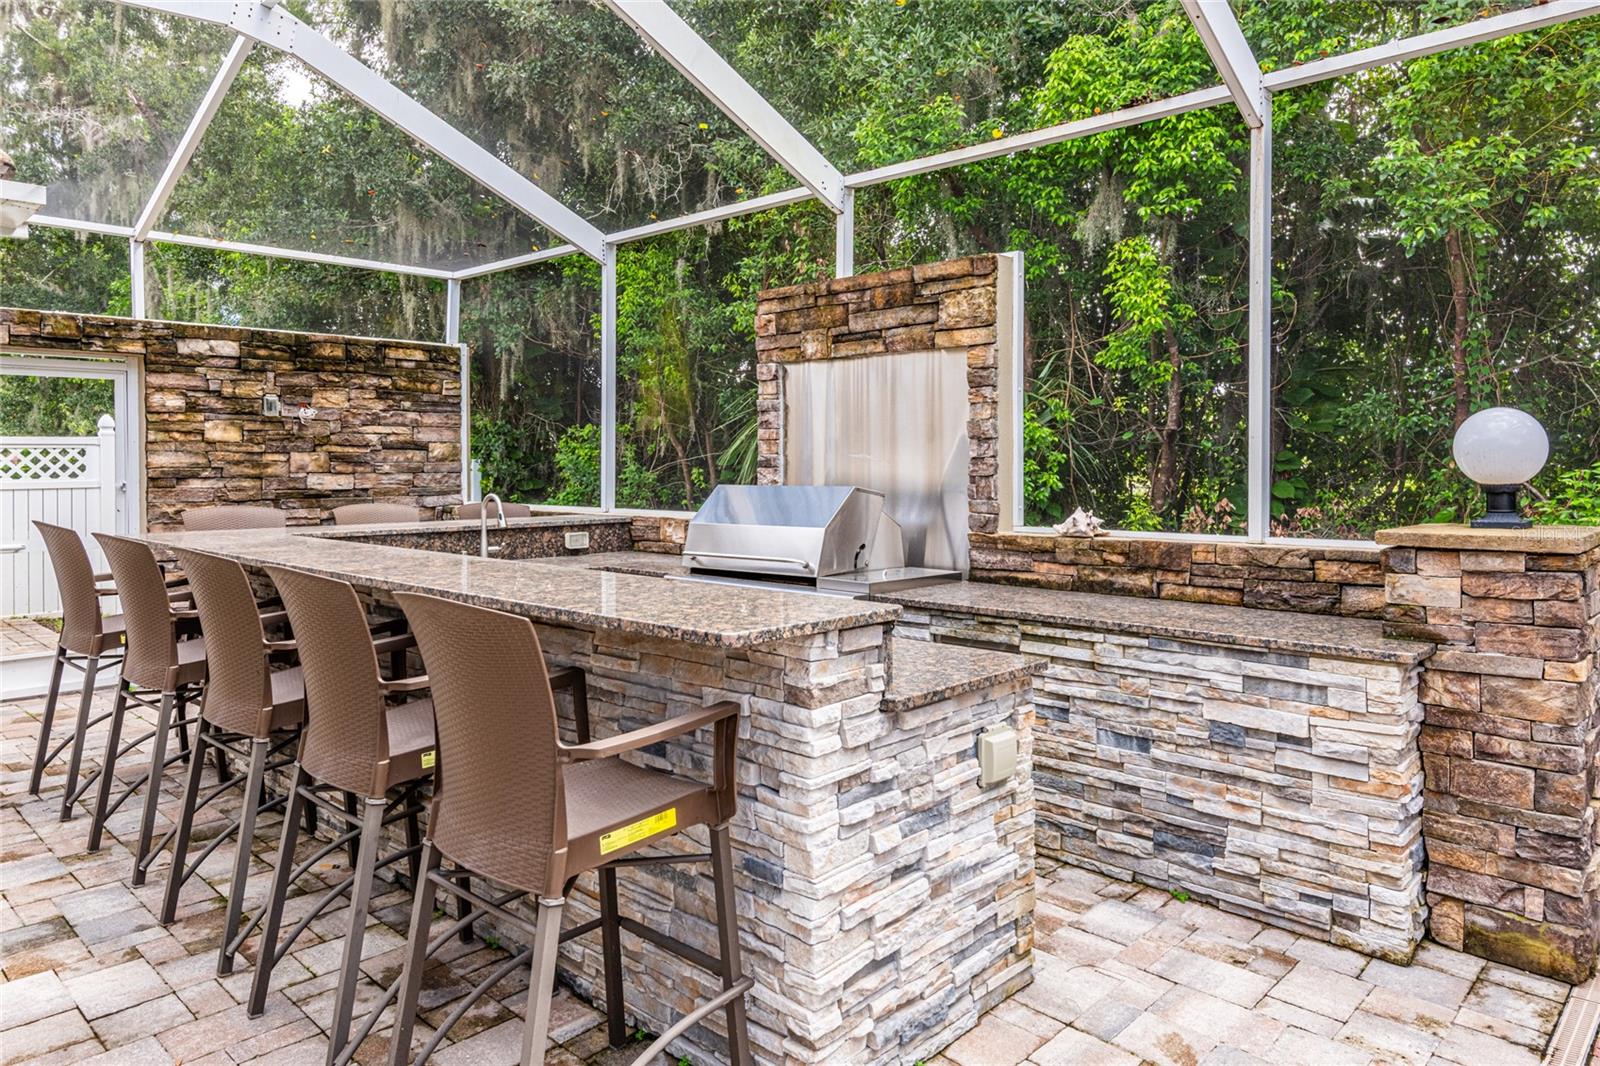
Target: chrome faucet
point(483, 522)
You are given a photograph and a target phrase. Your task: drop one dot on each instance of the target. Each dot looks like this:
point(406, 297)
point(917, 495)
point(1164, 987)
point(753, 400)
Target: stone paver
point(1124, 975)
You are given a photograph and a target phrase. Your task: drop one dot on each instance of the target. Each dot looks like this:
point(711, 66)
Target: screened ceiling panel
point(568, 95)
point(291, 161)
point(876, 82)
point(95, 97)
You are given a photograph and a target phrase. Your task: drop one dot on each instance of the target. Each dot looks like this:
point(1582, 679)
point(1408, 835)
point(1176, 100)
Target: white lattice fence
point(66, 481)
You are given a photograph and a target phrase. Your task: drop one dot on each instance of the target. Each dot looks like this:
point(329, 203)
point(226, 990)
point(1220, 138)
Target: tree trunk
point(1163, 487)
point(1457, 263)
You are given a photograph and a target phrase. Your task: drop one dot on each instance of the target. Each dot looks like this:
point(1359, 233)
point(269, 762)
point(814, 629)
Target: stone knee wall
point(1275, 577)
point(1510, 736)
point(1285, 786)
point(388, 422)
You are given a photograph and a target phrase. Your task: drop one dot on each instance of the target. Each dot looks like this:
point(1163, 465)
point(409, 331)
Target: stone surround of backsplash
point(1280, 577)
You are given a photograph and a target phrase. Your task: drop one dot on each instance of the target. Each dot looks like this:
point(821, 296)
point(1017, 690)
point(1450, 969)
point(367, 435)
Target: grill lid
point(807, 531)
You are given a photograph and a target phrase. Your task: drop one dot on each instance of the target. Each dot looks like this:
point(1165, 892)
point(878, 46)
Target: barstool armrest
point(277, 647)
point(635, 739)
point(565, 678)
point(397, 642)
point(404, 684)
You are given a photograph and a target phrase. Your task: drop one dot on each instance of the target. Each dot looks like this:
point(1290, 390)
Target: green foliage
point(52, 406)
point(1573, 498)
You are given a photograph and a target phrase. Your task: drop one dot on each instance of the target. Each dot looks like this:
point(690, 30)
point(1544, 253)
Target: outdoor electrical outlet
point(578, 540)
point(270, 405)
point(997, 755)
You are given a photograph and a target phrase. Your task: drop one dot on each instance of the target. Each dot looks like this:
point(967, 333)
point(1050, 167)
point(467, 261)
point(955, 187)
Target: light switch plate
point(997, 755)
point(270, 405)
point(577, 539)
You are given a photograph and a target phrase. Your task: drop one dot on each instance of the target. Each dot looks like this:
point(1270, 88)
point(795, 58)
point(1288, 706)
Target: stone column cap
point(1543, 540)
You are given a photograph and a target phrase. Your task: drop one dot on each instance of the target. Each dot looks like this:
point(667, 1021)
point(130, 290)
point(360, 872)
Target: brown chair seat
point(607, 794)
point(288, 698)
point(410, 737)
point(113, 626)
point(191, 661)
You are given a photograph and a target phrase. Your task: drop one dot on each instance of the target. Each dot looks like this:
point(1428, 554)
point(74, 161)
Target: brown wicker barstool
point(515, 805)
point(86, 638)
point(233, 516)
point(357, 514)
point(512, 510)
point(164, 654)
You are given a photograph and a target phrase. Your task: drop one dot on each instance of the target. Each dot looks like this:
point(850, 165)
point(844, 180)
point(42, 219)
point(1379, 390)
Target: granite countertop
point(1315, 634)
point(719, 615)
point(922, 672)
point(458, 525)
point(645, 564)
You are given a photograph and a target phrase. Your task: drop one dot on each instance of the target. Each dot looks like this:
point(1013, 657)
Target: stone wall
point(388, 423)
point(1284, 785)
point(937, 306)
point(1342, 581)
point(1509, 741)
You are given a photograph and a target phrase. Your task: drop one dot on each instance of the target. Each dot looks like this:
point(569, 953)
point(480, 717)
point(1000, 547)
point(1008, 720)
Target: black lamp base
point(1502, 510)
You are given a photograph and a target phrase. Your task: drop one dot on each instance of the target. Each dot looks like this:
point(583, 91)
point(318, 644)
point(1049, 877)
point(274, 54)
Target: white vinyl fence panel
point(66, 481)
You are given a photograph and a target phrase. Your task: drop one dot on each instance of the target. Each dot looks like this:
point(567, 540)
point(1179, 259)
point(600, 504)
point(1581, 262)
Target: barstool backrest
point(80, 605)
point(498, 807)
point(152, 652)
point(234, 516)
point(513, 510)
point(355, 514)
point(345, 738)
point(238, 693)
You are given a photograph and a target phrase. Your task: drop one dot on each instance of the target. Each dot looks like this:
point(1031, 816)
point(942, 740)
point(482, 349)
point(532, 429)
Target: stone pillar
point(1509, 735)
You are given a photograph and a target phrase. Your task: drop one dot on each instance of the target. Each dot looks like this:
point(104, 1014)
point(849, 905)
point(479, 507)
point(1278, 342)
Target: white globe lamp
point(1501, 448)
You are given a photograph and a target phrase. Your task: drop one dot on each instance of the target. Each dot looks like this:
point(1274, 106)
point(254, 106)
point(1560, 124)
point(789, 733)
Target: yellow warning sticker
point(632, 834)
point(428, 758)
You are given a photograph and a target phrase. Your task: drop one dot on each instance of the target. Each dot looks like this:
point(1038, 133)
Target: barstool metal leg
point(611, 952)
point(152, 794)
point(46, 721)
point(261, 983)
point(542, 981)
point(91, 668)
point(405, 1015)
point(728, 940)
point(247, 835)
point(108, 767)
point(180, 839)
point(360, 901)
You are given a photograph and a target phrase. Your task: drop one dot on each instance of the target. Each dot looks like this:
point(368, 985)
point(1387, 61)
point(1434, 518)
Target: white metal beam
point(1065, 131)
point(676, 42)
point(275, 252)
point(1258, 517)
point(844, 237)
point(279, 28)
point(136, 280)
point(712, 214)
point(608, 378)
point(1230, 53)
point(515, 261)
point(231, 65)
point(1474, 32)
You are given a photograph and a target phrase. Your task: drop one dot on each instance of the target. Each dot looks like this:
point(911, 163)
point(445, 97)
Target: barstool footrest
point(705, 1010)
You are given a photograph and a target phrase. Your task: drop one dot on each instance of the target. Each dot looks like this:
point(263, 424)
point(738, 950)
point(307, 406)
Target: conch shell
point(1081, 523)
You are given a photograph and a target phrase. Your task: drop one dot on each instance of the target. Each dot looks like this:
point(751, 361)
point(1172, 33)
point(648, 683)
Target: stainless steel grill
point(834, 538)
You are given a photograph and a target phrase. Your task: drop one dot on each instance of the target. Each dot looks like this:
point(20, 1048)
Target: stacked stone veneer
point(1282, 785)
point(946, 306)
point(388, 423)
point(1510, 736)
point(1342, 581)
point(886, 900)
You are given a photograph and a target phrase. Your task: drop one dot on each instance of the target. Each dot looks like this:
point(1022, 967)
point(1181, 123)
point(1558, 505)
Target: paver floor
point(1125, 974)
point(25, 636)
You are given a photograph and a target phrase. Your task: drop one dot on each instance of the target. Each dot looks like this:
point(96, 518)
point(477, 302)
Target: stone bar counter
point(885, 896)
